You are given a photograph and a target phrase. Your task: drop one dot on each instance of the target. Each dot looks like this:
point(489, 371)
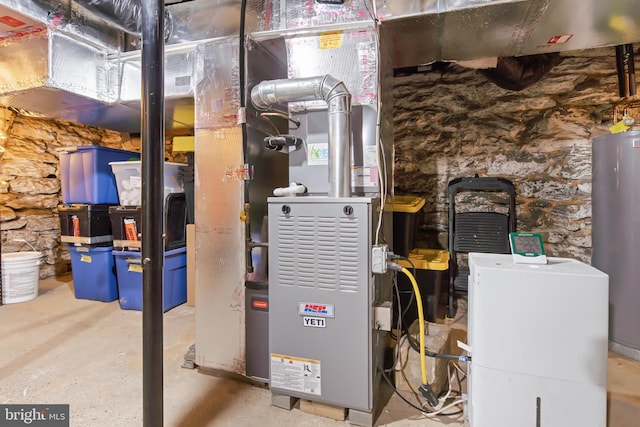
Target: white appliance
point(538, 340)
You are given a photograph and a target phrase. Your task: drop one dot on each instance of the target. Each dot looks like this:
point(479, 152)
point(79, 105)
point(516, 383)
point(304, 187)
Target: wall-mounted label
point(318, 154)
point(314, 322)
point(314, 309)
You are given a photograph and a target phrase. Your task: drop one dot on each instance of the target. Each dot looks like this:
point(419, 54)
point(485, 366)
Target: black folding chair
point(476, 231)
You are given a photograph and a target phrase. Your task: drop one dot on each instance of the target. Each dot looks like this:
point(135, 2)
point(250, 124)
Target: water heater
point(616, 233)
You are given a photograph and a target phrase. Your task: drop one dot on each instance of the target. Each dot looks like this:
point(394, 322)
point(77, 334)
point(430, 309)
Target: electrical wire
point(382, 168)
point(413, 294)
point(282, 115)
point(397, 291)
point(415, 346)
point(273, 125)
point(397, 392)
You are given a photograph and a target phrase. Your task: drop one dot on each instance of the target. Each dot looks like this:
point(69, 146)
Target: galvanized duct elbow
point(335, 94)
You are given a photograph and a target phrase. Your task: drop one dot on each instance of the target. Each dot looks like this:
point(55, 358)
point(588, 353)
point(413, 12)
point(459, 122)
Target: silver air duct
point(335, 94)
point(123, 14)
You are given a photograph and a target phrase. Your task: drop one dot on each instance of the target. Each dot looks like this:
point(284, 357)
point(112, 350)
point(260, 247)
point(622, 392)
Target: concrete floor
point(58, 349)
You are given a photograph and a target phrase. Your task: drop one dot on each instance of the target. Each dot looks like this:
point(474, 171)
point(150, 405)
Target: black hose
point(414, 345)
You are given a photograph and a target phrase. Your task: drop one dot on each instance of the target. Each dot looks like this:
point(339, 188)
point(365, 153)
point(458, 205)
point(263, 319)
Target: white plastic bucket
point(20, 276)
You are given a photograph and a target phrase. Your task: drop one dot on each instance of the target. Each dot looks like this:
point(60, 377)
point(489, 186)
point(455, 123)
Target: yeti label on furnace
point(314, 322)
point(315, 309)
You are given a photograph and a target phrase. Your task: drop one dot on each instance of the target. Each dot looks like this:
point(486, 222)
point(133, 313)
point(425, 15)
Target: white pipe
point(338, 98)
point(293, 189)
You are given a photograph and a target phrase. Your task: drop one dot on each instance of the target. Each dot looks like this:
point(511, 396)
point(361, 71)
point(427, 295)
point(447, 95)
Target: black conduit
point(152, 209)
point(626, 70)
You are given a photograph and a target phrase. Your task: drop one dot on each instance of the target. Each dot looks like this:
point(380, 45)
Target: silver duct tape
point(217, 86)
point(349, 56)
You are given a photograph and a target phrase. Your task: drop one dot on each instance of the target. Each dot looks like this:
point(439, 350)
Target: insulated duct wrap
point(124, 14)
point(517, 73)
point(217, 86)
point(349, 55)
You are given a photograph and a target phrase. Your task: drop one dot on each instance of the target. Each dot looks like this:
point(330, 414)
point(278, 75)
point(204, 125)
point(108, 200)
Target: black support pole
point(152, 209)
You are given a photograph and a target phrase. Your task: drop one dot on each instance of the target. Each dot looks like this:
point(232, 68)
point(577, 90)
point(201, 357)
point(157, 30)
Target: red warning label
point(560, 39)
point(11, 21)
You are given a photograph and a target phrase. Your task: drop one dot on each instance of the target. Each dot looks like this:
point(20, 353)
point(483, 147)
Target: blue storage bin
point(86, 176)
point(129, 271)
point(94, 273)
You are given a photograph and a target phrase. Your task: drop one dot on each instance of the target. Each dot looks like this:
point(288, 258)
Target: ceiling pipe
point(626, 70)
point(152, 116)
point(338, 98)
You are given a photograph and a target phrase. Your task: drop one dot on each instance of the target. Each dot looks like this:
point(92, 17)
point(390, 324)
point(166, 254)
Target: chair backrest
point(481, 231)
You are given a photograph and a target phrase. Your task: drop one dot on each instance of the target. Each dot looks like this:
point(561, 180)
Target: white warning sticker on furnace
point(295, 374)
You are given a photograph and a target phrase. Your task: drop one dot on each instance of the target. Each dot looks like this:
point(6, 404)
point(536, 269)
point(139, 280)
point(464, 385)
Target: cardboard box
point(191, 265)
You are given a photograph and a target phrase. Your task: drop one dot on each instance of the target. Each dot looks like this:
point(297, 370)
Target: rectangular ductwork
point(425, 31)
point(55, 75)
point(64, 60)
point(68, 75)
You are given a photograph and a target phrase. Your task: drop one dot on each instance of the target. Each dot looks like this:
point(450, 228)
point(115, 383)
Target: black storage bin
point(85, 224)
point(127, 230)
point(432, 270)
point(406, 213)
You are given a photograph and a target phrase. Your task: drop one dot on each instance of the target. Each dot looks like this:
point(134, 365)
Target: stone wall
point(448, 123)
point(30, 181)
point(453, 123)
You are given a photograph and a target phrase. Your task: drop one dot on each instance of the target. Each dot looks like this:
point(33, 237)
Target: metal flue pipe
point(335, 94)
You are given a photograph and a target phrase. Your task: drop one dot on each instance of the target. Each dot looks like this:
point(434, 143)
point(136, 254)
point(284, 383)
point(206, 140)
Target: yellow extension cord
point(423, 362)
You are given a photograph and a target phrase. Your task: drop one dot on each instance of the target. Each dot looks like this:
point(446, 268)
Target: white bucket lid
point(24, 256)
